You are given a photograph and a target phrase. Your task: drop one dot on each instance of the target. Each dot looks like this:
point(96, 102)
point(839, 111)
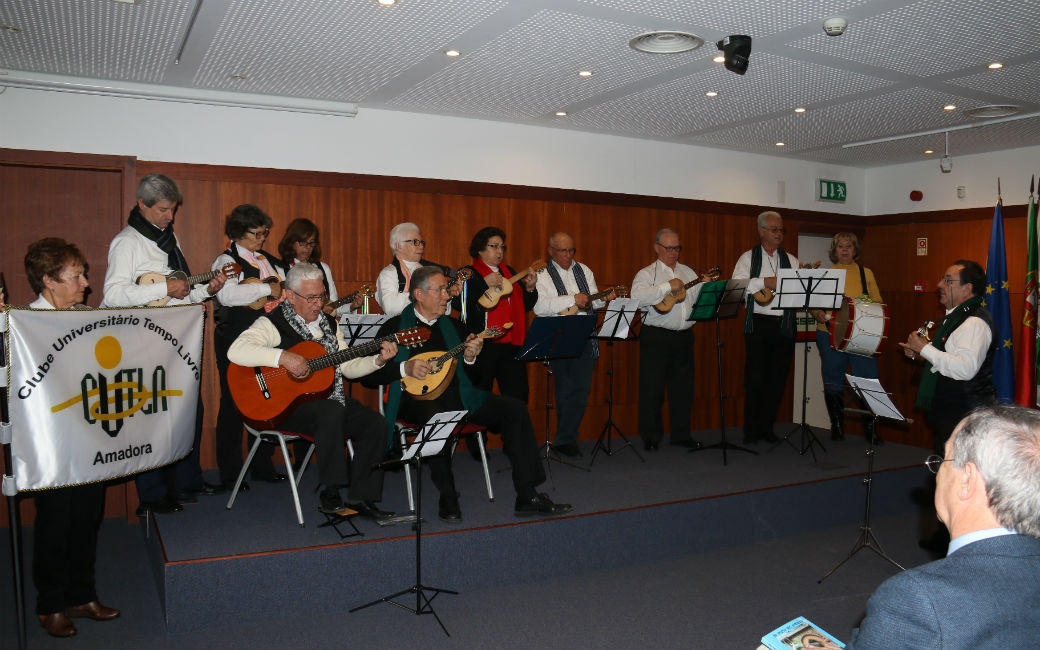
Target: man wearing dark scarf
point(148, 245)
point(505, 415)
point(958, 371)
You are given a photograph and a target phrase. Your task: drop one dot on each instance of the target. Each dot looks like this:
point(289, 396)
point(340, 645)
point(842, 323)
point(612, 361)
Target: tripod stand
point(431, 440)
point(866, 537)
point(808, 438)
point(615, 325)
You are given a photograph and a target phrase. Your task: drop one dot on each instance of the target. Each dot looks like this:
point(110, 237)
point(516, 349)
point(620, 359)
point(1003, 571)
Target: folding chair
point(467, 429)
point(280, 437)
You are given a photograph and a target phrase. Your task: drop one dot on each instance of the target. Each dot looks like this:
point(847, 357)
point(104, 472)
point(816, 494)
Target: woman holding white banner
point(65, 531)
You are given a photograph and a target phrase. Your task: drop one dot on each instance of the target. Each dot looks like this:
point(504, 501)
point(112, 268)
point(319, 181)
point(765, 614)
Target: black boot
point(835, 405)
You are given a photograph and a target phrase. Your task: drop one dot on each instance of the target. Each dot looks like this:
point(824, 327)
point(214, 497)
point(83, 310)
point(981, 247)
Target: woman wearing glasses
point(859, 283)
point(394, 282)
point(302, 244)
point(240, 302)
point(498, 358)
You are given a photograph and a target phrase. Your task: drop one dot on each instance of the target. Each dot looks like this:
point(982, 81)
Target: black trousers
point(767, 363)
point(65, 546)
point(572, 382)
point(507, 416)
point(498, 362)
point(665, 363)
point(331, 423)
point(183, 476)
point(229, 426)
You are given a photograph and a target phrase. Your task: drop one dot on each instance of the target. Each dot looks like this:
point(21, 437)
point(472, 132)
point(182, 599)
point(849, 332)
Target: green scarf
point(960, 313)
point(472, 397)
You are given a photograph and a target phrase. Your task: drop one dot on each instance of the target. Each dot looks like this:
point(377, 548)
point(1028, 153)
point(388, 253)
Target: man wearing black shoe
point(505, 415)
point(149, 245)
point(665, 345)
point(267, 343)
point(769, 332)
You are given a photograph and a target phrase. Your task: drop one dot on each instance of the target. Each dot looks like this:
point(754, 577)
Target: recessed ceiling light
point(800, 109)
point(561, 113)
point(666, 42)
point(929, 151)
point(585, 73)
point(712, 93)
point(950, 107)
point(780, 144)
point(129, 2)
point(387, 3)
point(237, 77)
point(718, 58)
point(10, 28)
point(996, 65)
point(451, 53)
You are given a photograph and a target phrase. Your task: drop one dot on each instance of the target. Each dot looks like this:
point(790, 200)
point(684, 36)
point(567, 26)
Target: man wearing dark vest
point(266, 343)
point(505, 415)
point(394, 281)
point(149, 245)
point(769, 332)
point(566, 284)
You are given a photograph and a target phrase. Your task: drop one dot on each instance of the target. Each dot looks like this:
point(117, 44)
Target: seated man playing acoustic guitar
point(505, 415)
point(267, 343)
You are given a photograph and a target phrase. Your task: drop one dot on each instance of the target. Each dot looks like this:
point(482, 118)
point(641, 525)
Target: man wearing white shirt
point(665, 345)
point(394, 281)
point(566, 284)
point(149, 245)
point(769, 332)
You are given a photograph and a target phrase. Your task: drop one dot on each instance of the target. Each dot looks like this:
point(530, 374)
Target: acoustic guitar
point(494, 294)
point(262, 300)
point(366, 290)
point(678, 295)
point(443, 366)
point(228, 270)
point(265, 396)
point(765, 295)
point(621, 290)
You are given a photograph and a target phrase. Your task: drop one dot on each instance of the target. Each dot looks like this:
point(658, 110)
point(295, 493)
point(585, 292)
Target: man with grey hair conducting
point(983, 594)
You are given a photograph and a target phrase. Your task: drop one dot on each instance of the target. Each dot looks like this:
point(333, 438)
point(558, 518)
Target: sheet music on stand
point(826, 288)
point(712, 305)
point(618, 318)
point(361, 328)
point(434, 434)
point(876, 397)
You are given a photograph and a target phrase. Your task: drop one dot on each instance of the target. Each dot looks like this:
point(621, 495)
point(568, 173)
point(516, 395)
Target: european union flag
point(998, 302)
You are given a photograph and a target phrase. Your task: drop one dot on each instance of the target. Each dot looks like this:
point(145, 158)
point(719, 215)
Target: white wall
point(889, 187)
point(408, 144)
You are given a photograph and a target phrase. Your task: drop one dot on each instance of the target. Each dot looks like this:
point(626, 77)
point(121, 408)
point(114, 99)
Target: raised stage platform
point(213, 565)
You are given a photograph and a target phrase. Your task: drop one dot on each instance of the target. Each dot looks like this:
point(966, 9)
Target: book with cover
point(800, 634)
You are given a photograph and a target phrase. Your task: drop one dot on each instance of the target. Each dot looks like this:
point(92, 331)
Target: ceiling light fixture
point(946, 163)
point(238, 77)
point(996, 65)
point(718, 58)
point(712, 93)
point(585, 73)
point(387, 3)
point(561, 113)
point(666, 42)
point(11, 29)
point(929, 151)
point(950, 107)
point(780, 144)
point(128, 90)
point(452, 53)
point(800, 109)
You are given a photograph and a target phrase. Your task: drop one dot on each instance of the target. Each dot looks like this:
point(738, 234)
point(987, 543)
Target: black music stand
point(360, 328)
point(718, 300)
point(876, 399)
point(556, 337)
point(804, 290)
point(619, 320)
point(431, 439)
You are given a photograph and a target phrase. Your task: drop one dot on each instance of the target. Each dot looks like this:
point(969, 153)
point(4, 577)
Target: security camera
point(835, 26)
point(946, 164)
point(736, 49)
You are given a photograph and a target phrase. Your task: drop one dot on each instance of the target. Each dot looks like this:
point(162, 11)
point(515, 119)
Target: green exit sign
point(831, 190)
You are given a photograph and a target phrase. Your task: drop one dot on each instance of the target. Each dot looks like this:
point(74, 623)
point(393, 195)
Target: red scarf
point(509, 309)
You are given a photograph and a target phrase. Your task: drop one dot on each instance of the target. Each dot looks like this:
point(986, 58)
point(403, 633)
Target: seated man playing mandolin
point(455, 390)
point(268, 343)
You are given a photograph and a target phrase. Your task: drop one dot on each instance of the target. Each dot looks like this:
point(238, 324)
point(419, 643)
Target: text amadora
point(123, 454)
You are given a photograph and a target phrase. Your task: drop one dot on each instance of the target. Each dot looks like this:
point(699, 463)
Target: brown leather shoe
point(94, 610)
point(57, 624)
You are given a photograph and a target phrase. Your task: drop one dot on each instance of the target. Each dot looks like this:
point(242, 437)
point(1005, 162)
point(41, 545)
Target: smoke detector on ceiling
point(666, 42)
point(835, 26)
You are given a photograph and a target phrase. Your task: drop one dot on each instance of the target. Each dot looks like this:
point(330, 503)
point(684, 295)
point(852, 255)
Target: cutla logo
point(111, 400)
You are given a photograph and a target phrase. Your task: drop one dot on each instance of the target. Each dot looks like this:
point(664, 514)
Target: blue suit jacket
point(985, 595)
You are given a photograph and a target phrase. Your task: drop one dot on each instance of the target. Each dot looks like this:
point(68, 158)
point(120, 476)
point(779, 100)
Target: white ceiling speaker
point(666, 42)
point(835, 26)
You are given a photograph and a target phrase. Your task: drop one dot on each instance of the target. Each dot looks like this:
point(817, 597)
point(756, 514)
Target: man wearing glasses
point(983, 594)
point(769, 332)
point(394, 281)
point(567, 284)
point(149, 245)
point(665, 345)
point(266, 343)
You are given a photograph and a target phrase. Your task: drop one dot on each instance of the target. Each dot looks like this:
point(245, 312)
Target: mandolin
point(262, 300)
point(765, 295)
point(494, 294)
point(366, 290)
point(621, 290)
point(443, 366)
point(229, 270)
point(265, 396)
point(678, 295)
